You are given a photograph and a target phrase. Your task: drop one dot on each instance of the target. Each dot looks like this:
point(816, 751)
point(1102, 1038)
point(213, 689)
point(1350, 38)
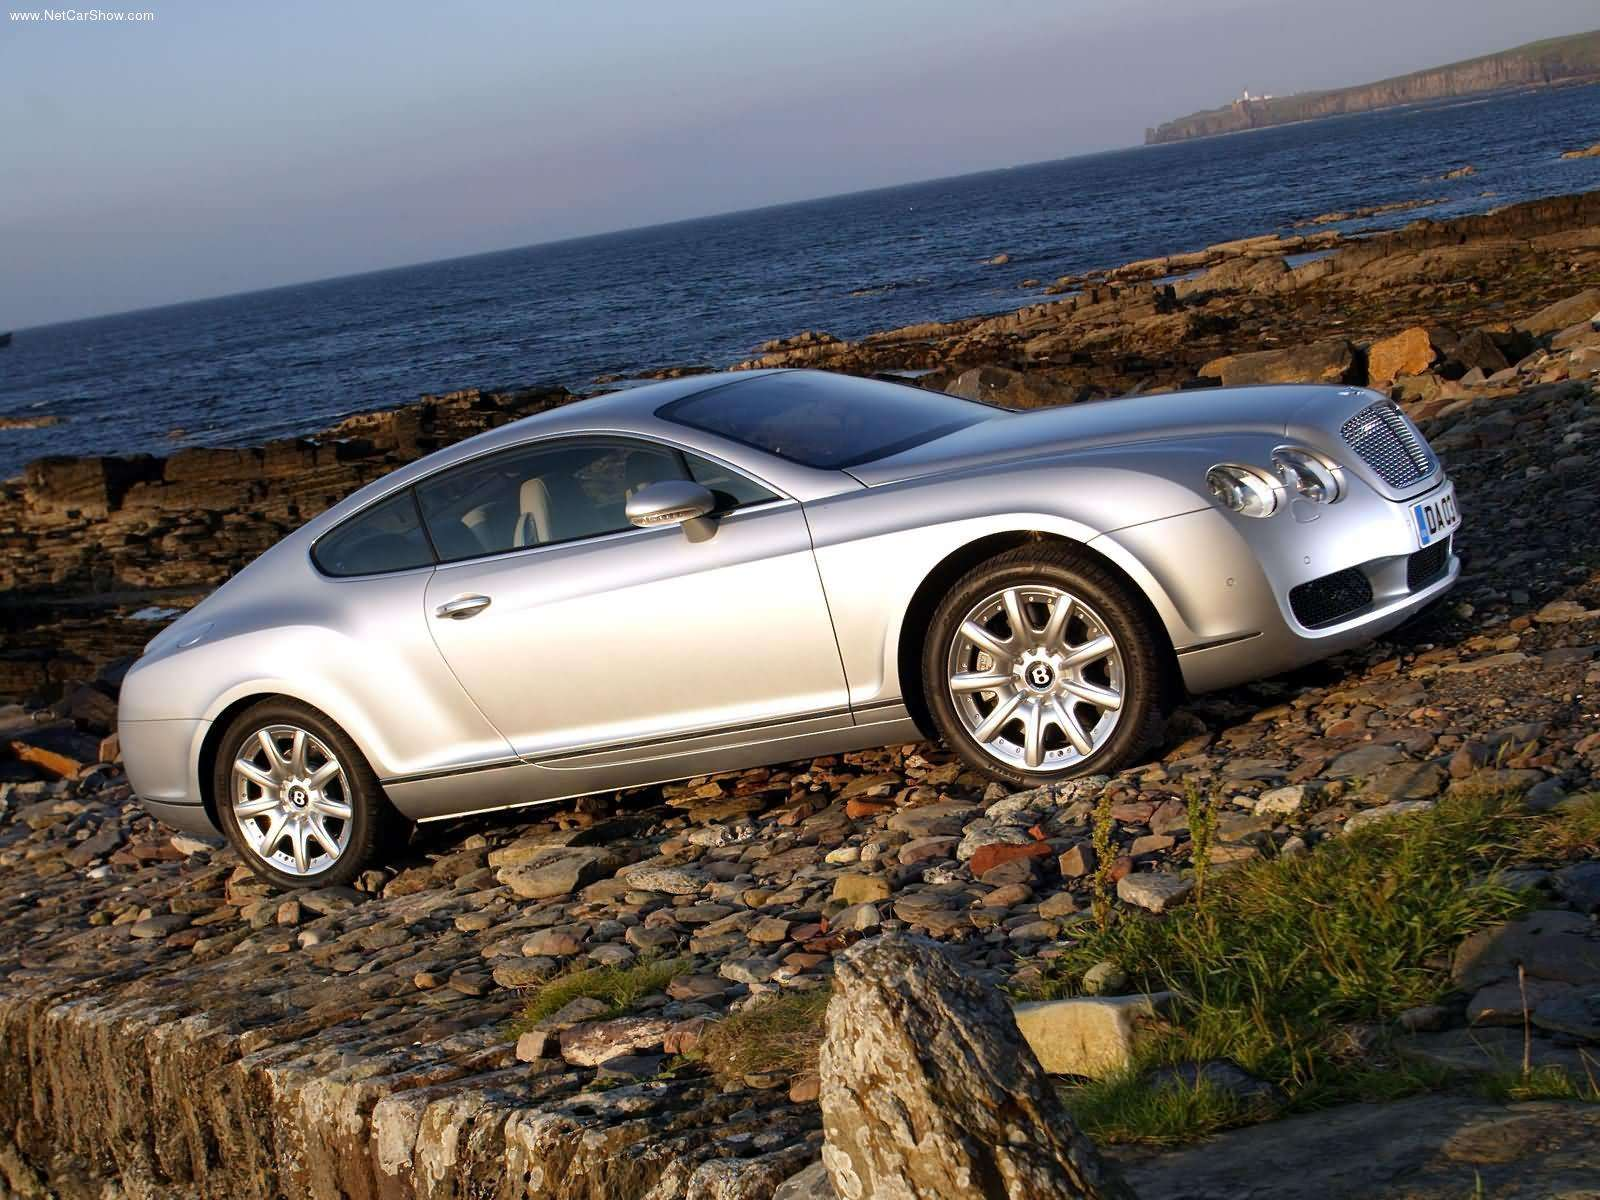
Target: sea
point(293, 360)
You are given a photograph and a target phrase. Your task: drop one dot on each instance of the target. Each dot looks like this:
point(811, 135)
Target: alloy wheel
point(1036, 678)
point(291, 800)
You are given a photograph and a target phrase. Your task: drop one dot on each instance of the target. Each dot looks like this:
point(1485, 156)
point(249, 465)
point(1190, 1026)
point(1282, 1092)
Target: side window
point(386, 537)
point(539, 495)
point(731, 489)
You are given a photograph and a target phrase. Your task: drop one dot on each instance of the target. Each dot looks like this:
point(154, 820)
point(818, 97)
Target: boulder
point(1092, 1036)
point(1553, 318)
point(1409, 352)
point(1551, 945)
point(1013, 389)
point(1332, 361)
point(557, 871)
point(929, 1091)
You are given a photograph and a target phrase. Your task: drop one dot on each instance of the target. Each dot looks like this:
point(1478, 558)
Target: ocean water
point(291, 360)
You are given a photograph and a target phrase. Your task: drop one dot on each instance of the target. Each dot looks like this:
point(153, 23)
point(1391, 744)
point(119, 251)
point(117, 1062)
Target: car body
point(789, 622)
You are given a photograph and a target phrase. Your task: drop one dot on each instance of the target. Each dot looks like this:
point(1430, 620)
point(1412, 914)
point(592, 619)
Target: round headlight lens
point(1244, 490)
point(1307, 474)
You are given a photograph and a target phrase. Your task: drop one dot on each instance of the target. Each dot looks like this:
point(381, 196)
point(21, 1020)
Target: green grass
point(779, 1035)
point(1287, 961)
point(619, 987)
point(1543, 1083)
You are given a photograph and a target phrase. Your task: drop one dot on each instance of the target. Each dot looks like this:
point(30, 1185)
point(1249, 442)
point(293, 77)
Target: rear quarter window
point(386, 537)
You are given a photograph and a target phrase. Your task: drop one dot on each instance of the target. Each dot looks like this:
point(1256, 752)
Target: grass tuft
point(779, 1035)
point(1549, 1082)
point(1295, 968)
point(620, 987)
point(1570, 832)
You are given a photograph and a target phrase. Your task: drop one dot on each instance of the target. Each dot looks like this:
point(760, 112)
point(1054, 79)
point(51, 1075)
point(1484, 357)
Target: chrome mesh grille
point(1388, 443)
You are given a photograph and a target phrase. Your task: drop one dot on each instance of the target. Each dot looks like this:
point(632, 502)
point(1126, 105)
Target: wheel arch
point(211, 743)
point(939, 580)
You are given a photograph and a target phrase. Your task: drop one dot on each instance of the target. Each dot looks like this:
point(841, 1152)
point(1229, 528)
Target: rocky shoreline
point(171, 1027)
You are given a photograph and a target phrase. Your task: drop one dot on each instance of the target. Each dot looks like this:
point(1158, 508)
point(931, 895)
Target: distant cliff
point(1574, 59)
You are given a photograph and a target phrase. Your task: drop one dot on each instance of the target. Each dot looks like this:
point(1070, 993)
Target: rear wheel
point(297, 799)
point(1040, 666)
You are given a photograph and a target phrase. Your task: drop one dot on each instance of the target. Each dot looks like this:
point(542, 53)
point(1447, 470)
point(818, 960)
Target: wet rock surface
point(170, 1021)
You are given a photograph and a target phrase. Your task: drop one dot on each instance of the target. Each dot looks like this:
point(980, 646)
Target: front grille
point(1426, 565)
point(1331, 598)
point(1389, 444)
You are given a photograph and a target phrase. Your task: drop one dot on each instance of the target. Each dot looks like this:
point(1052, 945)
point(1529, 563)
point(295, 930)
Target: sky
point(227, 146)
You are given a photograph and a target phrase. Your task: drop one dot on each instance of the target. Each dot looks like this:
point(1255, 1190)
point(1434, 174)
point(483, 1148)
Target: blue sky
point(227, 146)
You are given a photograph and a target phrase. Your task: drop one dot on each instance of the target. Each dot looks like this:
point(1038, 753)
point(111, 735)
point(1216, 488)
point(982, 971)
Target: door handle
point(462, 607)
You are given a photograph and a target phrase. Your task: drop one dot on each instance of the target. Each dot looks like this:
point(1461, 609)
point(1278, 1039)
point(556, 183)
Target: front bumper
point(1228, 585)
point(162, 760)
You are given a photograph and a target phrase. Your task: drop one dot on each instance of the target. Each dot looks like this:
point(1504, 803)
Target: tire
point(1044, 682)
point(316, 845)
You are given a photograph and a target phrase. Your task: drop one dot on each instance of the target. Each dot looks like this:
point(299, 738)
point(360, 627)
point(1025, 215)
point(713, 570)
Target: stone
point(1090, 1036)
point(1105, 978)
point(1406, 781)
point(1078, 861)
point(1284, 801)
point(592, 1043)
point(860, 889)
point(1153, 890)
point(943, 819)
point(1552, 945)
point(1330, 361)
point(812, 1183)
point(159, 926)
point(928, 1088)
point(1579, 886)
point(1503, 1003)
point(1363, 761)
point(1385, 812)
point(1409, 352)
point(557, 871)
point(986, 858)
point(1573, 1013)
point(1584, 306)
point(674, 881)
point(925, 849)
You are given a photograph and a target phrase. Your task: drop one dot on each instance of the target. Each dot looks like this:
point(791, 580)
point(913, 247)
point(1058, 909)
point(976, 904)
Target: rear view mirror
point(674, 502)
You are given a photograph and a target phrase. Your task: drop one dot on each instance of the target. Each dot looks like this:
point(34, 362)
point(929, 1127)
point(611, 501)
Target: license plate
point(1437, 517)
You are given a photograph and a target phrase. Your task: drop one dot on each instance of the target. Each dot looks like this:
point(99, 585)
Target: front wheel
point(1039, 666)
point(297, 798)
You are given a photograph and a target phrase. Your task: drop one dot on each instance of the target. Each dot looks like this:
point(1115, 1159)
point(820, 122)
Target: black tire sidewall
point(1129, 623)
point(369, 807)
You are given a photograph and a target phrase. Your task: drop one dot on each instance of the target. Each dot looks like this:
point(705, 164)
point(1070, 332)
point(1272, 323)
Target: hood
point(1048, 432)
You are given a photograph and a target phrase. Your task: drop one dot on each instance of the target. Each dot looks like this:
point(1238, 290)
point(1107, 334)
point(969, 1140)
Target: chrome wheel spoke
point(1069, 725)
point(1016, 617)
point(258, 807)
point(1055, 629)
point(275, 760)
point(323, 775)
point(274, 833)
point(297, 753)
point(1033, 734)
point(329, 807)
point(264, 781)
point(995, 721)
point(980, 681)
point(298, 842)
point(981, 638)
point(1093, 694)
point(319, 831)
point(1090, 651)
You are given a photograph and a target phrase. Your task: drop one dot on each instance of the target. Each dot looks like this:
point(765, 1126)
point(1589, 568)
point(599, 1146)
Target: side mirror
point(674, 502)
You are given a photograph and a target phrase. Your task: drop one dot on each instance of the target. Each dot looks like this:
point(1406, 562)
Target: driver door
point(582, 637)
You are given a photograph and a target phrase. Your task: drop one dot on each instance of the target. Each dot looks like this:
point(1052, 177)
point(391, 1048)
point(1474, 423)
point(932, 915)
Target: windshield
point(823, 420)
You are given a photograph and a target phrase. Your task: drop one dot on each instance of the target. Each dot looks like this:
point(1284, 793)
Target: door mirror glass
point(673, 502)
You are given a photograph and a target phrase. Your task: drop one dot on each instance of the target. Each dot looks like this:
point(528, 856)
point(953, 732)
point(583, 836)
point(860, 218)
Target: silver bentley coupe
point(734, 570)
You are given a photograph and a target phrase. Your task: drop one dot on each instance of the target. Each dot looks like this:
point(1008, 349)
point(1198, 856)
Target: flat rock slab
point(1089, 1036)
point(1425, 1148)
point(558, 870)
point(1554, 945)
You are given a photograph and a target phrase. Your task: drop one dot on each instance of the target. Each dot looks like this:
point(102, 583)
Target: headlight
point(1308, 474)
point(1244, 490)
